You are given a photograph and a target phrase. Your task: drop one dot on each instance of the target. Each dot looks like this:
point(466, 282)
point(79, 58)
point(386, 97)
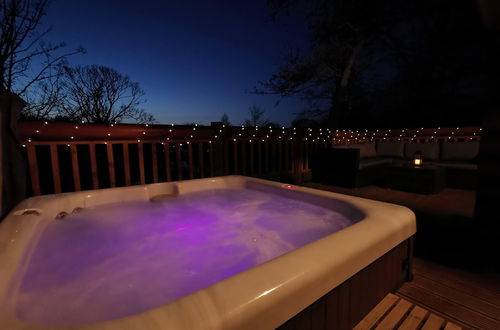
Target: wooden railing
point(67, 157)
point(71, 157)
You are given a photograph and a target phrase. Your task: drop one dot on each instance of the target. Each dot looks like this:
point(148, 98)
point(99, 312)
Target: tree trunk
point(340, 105)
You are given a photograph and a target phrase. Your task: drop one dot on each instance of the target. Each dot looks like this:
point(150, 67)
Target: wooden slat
point(306, 154)
point(93, 167)
point(452, 326)
point(226, 156)
point(154, 161)
point(166, 154)
point(252, 159)
point(235, 156)
point(395, 315)
point(126, 164)
point(279, 168)
point(211, 151)
point(178, 160)
point(55, 168)
point(76, 169)
point(111, 165)
point(434, 322)
point(243, 157)
point(377, 312)
point(266, 156)
point(33, 166)
point(415, 319)
point(259, 158)
point(190, 160)
point(141, 162)
point(201, 162)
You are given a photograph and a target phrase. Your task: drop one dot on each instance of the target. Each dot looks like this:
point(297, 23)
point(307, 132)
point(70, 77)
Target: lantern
point(417, 159)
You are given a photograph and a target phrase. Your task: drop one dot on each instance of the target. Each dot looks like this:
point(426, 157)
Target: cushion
point(429, 151)
point(366, 150)
point(456, 164)
point(390, 149)
point(368, 162)
point(459, 150)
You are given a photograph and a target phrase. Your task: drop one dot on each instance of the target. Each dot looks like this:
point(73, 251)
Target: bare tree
point(225, 119)
point(21, 44)
point(256, 117)
point(99, 94)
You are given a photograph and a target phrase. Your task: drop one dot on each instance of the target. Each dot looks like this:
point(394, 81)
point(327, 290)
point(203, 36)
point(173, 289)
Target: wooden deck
point(394, 312)
point(449, 281)
point(469, 299)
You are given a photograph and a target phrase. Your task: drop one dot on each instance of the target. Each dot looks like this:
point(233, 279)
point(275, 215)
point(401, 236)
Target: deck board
point(394, 312)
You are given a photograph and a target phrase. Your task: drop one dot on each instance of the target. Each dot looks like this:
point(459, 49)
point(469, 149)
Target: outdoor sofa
point(362, 164)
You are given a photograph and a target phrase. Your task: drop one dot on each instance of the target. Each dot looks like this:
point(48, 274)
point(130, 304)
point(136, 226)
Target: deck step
point(394, 312)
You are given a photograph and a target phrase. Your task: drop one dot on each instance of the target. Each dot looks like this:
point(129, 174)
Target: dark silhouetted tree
point(99, 94)
point(256, 117)
point(225, 119)
point(22, 45)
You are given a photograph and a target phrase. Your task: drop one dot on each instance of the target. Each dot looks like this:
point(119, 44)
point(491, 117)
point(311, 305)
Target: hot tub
point(220, 253)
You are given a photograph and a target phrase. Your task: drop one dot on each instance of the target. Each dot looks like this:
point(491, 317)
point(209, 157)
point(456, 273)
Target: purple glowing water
point(121, 259)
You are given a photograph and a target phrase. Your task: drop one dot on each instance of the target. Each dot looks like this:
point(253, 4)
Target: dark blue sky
point(195, 60)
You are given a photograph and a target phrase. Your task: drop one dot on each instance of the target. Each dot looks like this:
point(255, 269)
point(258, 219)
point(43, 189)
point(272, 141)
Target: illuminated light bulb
point(196, 125)
point(168, 138)
point(29, 140)
point(109, 134)
point(172, 124)
point(24, 146)
point(143, 133)
point(210, 141)
point(163, 143)
point(216, 136)
point(76, 127)
point(187, 142)
point(191, 136)
point(239, 134)
point(234, 140)
point(37, 131)
point(194, 128)
point(267, 136)
point(220, 131)
point(170, 130)
point(146, 125)
point(106, 143)
point(138, 140)
point(46, 123)
point(72, 137)
point(250, 141)
point(83, 121)
point(112, 125)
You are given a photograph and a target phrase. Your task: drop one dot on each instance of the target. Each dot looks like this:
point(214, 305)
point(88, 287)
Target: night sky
point(195, 60)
